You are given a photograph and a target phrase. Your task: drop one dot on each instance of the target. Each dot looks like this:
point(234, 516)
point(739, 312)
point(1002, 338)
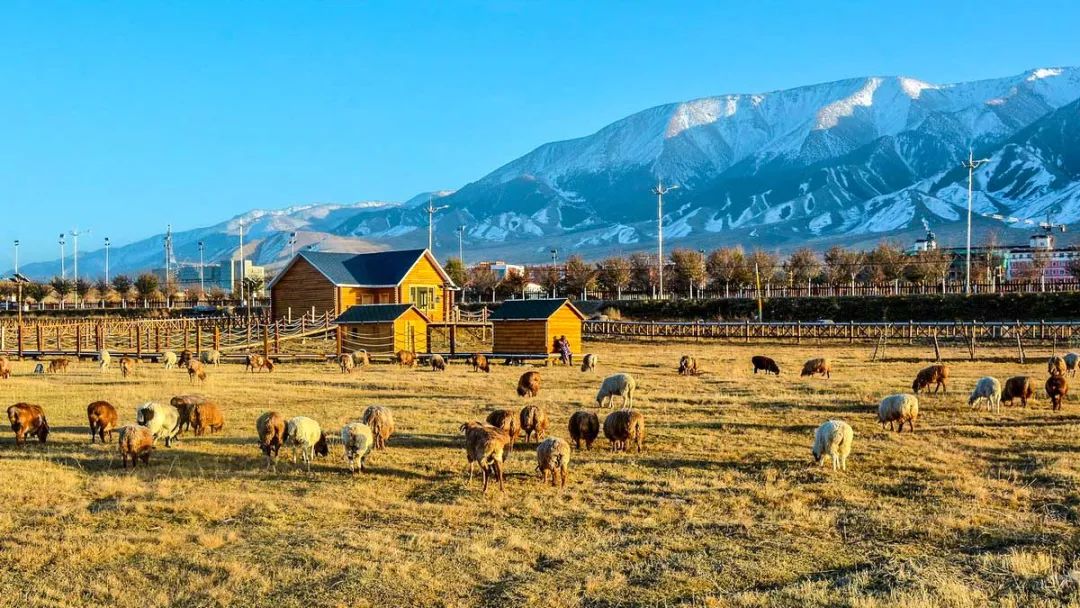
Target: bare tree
point(689, 269)
point(727, 266)
point(642, 273)
point(766, 263)
point(483, 280)
point(843, 265)
point(580, 276)
point(613, 274)
point(802, 266)
point(886, 263)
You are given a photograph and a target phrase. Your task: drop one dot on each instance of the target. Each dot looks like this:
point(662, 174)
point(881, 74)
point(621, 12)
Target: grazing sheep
point(509, 423)
point(934, 374)
point(185, 358)
point(529, 384)
point(381, 421)
point(195, 371)
point(28, 420)
point(102, 418)
point(584, 426)
point(136, 441)
point(534, 421)
point(588, 363)
point(1056, 366)
point(438, 363)
point(254, 363)
point(898, 408)
point(346, 363)
point(623, 426)
point(361, 358)
point(168, 359)
point(104, 360)
point(480, 363)
point(5, 368)
point(357, 440)
point(210, 357)
point(1018, 387)
point(820, 365)
point(270, 427)
point(162, 420)
point(485, 445)
point(687, 366)
point(622, 385)
point(1057, 388)
point(405, 358)
point(833, 438)
point(553, 455)
point(207, 416)
point(1071, 359)
point(986, 389)
point(128, 365)
point(765, 364)
point(306, 434)
point(185, 405)
point(59, 365)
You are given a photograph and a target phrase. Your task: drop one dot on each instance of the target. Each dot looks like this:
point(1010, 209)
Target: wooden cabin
point(383, 329)
point(529, 327)
point(334, 282)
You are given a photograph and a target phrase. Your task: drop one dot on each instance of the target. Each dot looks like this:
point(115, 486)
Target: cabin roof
point(531, 310)
point(376, 313)
point(377, 269)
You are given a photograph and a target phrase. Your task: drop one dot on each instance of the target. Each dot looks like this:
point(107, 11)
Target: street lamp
point(63, 272)
point(202, 285)
point(660, 191)
point(431, 209)
point(971, 165)
point(292, 245)
point(16, 256)
point(108, 244)
point(555, 269)
point(460, 249)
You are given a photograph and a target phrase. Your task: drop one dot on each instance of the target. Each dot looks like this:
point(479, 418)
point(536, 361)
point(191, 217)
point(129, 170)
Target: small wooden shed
point(383, 329)
point(529, 327)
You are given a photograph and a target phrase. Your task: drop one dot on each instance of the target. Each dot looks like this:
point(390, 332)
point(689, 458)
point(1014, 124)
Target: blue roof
point(521, 310)
point(374, 313)
point(378, 269)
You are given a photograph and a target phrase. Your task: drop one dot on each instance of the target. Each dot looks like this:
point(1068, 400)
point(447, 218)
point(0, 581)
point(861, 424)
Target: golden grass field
point(723, 508)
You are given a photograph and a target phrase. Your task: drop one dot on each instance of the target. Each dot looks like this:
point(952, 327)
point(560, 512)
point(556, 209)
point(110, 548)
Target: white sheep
point(833, 438)
point(168, 358)
point(162, 420)
point(988, 389)
point(306, 434)
point(358, 440)
point(210, 357)
point(104, 360)
point(1071, 359)
point(622, 385)
point(899, 408)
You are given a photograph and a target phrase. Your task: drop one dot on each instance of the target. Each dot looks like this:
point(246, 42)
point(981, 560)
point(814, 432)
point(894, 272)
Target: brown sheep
point(623, 426)
point(1056, 366)
point(438, 363)
point(529, 384)
point(1057, 388)
point(508, 422)
point(480, 363)
point(185, 405)
point(688, 366)
point(346, 363)
point(195, 371)
point(27, 419)
point(207, 417)
point(820, 365)
point(588, 363)
point(127, 366)
point(584, 426)
point(1018, 387)
point(59, 365)
point(136, 442)
point(102, 417)
point(185, 358)
point(258, 362)
point(381, 421)
point(485, 445)
point(5, 368)
point(272, 435)
point(405, 358)
point(361, 358)
point(934, 374)
point(553, 455)
point(765, 364)
point(534, 421)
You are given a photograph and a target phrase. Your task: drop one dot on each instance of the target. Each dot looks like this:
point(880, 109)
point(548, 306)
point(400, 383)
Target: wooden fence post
point(78, 341)
point(217, 337)
point(340, 340)
point(40, 340)
point(19, 339)
point(937, 350)
point(277, 337)
point(138, 343)
point(198, 338)
point(266, 341)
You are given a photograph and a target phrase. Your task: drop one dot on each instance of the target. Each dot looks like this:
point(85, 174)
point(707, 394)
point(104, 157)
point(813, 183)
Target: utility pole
point(971, 165)
point(292, 245)
point(431, 209)
point(108, 244)
point(75, 252)
point(554, 268)
point(241, 262)
point(460, 249)
point(660, 191)
point(63, 272)
point(202, 284)
point(16, 256)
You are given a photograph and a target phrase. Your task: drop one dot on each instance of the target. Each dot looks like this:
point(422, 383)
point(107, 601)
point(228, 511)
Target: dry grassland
point(722, 509)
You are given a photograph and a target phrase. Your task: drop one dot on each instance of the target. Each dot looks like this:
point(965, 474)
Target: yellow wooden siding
point(565, 323)
point(300, 288)
point(424, 274)
point(520, 337)
point(352, 296)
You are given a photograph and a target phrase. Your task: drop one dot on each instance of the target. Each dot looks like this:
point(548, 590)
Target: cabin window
point(423, 297)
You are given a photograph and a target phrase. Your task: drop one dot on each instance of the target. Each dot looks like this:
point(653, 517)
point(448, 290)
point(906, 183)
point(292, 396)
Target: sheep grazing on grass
point(817, 366)
point(485, 445)
point(529, 384)
point(357, 439)
point(196, 371)
point(361, 358)
point(534, 421)
point(833, 438)
point(588, 363)
point(989, 390)
point(509, 423)
point(1018, 387)
point(258, 362)
point(622, 385)
point(205, 417)
point(270, 428)
point(168, 359)
point(933, 375)
point(405, 358)
point(480, 363)
point(59, 365)
point(381, 421)
point(346, 363)
point(438, 363)
point(185, 405)
point(162, 420)
point(210, 357)
point(128, 365)
point(765, 364)
point(584, 426)
point(687, 366)
point(623, 427)
point(5, 368)
point(184, 358)
point(104, 360)
point(306, 434)
point(102, 418)
point(900, 409)
point(553, 454)
point(1056, 366)
point(1071, 359)
point(28, 421)
point(136, 441)
point(1057, 388)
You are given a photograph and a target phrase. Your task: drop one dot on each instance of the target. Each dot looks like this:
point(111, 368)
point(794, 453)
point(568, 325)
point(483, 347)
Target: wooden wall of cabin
point(424, 274)
point(300, 288)
point(565, 323)
point(419, 334)
point(353, 296)
point(376, 338)
point(520, 337)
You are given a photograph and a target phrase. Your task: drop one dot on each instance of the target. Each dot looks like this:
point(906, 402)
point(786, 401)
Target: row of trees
point(146, 287)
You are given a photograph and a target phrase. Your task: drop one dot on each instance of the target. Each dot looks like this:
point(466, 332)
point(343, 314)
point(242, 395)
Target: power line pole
point(242, 269)
point(108, 244)
point(431, 209)
point(971, 165)
point(202, 284)
point(16, 256)
point(460, 249)
point(660, 191)
point(63, 272)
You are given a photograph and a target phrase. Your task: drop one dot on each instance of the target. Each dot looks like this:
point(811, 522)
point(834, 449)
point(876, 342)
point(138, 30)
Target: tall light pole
point(292, 245)
point(75, 257)
point(108, 244)
point(16, 256)
point(971, 165)
point(660, 191)
point(241, 262)
point(63, 272)
point(554, 268)
point(202, 284)
point(431, 209)
point(460, 248)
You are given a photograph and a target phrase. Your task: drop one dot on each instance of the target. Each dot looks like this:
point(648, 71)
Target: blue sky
point(123, 117)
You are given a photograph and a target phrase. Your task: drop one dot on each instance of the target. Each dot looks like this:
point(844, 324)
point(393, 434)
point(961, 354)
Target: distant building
point(224, 275)
point(501, 268)
point(1011, 261)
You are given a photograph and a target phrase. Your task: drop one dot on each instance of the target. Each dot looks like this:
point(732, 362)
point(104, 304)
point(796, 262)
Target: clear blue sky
point(124, 116)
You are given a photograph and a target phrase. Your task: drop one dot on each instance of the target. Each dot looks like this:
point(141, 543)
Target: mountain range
point(851, 161)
